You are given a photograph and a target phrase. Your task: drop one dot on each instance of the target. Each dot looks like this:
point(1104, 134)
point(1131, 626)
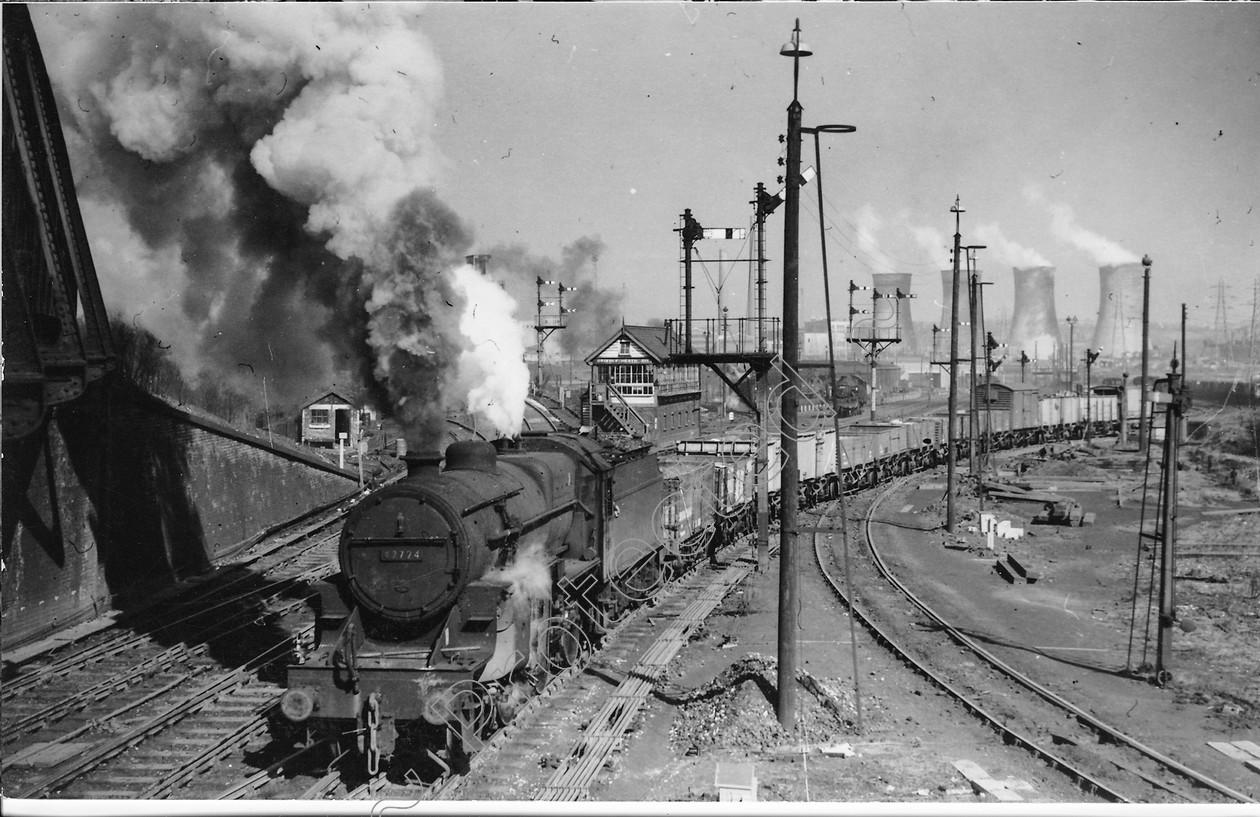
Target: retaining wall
point(121, 494)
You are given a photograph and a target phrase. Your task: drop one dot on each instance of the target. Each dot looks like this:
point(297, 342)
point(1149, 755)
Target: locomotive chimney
point(472, 455)
point(478, 262)
point(886, 310)
point(1034, 329)
point(423, 463)
point(1118, 332)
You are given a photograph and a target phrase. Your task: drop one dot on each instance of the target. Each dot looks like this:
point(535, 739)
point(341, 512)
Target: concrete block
point(983, 783)
point(837, 749)
point(736, 782)
point(1004, 571)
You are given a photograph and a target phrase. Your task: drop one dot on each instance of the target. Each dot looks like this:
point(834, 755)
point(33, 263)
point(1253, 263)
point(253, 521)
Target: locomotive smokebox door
point(402, 559)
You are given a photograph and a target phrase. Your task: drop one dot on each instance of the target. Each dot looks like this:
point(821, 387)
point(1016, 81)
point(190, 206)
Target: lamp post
point(1090, 356)
point(973, 409)
point(1146, 312)
point(951, 465)
point(1071, 359)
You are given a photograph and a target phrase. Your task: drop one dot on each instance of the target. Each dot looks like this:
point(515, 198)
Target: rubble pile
point(735, 711)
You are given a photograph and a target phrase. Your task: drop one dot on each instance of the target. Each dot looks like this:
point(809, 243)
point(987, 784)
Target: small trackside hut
point(328, 416)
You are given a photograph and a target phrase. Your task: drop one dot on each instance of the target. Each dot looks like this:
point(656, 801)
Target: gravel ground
point(717, 704)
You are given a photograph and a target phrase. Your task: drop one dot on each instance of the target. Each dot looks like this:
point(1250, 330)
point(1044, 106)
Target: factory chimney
point(1118, 332)
point(1034, 328)
point(890, 310)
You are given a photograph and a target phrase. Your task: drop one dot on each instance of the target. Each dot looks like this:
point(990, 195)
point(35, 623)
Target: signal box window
point(321, 418)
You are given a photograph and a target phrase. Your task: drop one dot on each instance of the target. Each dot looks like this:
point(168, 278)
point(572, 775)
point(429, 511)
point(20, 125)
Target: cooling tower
point(1119, 330)
point(1034, 328)
point(964, 315)
point(892, 316)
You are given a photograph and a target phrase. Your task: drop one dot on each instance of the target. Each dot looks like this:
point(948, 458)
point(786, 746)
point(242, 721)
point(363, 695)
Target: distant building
point(330, 415)
point(635, 391)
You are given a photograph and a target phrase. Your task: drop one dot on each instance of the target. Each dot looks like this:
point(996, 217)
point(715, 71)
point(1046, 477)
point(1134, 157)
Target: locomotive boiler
point(467, 583)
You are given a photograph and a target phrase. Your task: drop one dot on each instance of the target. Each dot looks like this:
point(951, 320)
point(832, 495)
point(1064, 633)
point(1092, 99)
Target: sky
point(240, 166)
point(1140, 123)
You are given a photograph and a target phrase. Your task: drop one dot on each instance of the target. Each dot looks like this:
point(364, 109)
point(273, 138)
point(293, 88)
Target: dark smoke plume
point(256, 184)
point(596, 311)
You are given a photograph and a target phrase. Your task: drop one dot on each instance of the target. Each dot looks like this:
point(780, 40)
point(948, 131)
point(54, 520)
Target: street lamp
point(1071, 358)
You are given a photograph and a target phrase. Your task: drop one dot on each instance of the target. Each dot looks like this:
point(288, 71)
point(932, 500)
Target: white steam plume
point(933, 243)
point(1104, 251)
point(529, 574)
point(1007, 251)
point(868, 224)
point(491, 372)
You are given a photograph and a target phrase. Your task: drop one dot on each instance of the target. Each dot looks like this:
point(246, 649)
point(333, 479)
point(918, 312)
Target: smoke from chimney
point(257, 188)
point(596, 311)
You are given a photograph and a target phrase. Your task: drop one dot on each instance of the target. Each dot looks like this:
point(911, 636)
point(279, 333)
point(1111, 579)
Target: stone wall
point(120, 494)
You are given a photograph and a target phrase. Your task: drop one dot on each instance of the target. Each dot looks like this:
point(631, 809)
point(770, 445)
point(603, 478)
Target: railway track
point(575, 727)
point(161, 702)
point(1099, 757)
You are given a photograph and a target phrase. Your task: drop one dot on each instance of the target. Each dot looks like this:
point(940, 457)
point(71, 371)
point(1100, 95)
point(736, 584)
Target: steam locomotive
point(466, 585)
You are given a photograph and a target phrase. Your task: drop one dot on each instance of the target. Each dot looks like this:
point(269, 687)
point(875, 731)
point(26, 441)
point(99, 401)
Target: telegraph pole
point(790, 476)
point(951, 467)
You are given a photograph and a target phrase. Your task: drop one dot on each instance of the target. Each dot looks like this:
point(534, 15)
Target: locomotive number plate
point(402, 555)
point(411, 549)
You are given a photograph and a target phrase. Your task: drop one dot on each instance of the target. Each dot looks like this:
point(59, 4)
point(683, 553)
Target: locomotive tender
point(463, 588)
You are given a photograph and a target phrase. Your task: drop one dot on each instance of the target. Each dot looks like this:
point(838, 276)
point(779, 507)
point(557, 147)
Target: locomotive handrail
point(538, 521)
point(486, 503)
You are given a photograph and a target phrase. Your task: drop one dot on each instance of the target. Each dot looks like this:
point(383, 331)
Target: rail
point(1099, 726)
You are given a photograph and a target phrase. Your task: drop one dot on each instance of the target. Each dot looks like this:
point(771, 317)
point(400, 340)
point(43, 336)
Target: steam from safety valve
point(491, 370)
point(443, 336)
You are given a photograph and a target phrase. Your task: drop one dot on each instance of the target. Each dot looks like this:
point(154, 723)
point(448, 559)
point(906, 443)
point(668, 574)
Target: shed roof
point(328, 397)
